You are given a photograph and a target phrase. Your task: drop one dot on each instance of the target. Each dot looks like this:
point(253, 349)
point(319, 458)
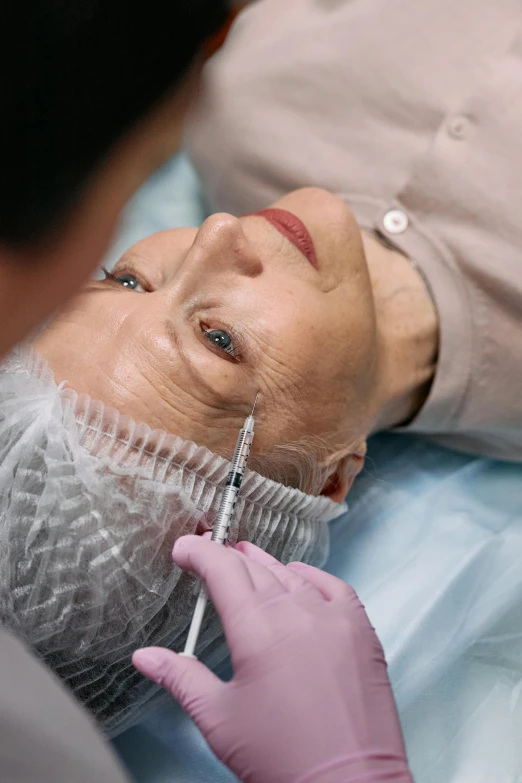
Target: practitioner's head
point(93, 96)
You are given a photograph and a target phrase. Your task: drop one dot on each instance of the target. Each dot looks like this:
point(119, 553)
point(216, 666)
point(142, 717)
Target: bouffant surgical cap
point(90, 506)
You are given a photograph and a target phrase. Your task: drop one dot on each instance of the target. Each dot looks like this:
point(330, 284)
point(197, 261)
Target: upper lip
point(293, 229)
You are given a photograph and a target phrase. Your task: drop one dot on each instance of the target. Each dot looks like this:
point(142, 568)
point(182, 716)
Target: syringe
point(223, 519)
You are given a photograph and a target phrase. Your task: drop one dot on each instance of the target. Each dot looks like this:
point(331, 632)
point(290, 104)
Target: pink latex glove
point(310, 699)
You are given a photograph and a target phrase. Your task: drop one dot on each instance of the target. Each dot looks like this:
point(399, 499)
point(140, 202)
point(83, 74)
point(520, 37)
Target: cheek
point(309, 332)
point(316, 361)
point(289, 312)
point(296, 332)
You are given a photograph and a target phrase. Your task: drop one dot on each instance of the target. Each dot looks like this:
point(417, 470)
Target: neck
point(407, 326)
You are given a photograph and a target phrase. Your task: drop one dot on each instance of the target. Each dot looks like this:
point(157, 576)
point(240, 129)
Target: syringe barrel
point(241, 452)
point(233, 485)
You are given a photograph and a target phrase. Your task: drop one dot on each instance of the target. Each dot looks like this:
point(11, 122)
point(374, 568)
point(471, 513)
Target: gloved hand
point(310, 699)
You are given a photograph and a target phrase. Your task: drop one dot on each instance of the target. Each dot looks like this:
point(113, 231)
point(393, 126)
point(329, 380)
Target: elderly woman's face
point(193, 323)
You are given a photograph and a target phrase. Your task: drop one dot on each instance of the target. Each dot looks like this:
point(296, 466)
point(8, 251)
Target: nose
point(221, 246)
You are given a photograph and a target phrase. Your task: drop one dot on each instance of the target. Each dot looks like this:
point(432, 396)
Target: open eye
point(126, 280)
point(221, 340)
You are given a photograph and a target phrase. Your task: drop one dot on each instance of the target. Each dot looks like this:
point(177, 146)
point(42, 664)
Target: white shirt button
point(395, 221)
point(457, 126)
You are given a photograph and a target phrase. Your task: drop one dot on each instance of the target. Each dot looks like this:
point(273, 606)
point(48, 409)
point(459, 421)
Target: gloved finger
point(330, 586)
point(265, 577)
point(208, 537)
point(262, 578)
point(227, 577)
point(188, 680)
point(254, 552)
point(290, 580)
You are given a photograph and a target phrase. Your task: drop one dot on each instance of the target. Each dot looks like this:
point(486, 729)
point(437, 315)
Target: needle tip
point(255, 403)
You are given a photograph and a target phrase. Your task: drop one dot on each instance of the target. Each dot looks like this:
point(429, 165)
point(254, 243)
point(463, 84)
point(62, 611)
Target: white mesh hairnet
point(90, 506)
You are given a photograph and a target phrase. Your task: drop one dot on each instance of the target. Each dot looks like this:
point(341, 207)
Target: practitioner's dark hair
point(74, 76)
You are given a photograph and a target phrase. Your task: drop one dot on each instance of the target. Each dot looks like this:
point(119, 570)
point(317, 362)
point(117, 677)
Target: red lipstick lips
point(293, 229)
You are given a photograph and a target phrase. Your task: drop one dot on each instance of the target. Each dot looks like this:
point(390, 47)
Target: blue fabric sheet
point(433, 544)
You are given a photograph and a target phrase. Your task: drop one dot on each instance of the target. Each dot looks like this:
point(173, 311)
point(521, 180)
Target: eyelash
point(114, 279)
point(237, 342)
point(109, 275)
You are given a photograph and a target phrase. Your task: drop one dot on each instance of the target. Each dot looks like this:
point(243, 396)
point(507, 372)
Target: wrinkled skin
point(305, 338)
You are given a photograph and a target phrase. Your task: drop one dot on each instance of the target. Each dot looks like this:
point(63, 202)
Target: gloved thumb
point(188, 680)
